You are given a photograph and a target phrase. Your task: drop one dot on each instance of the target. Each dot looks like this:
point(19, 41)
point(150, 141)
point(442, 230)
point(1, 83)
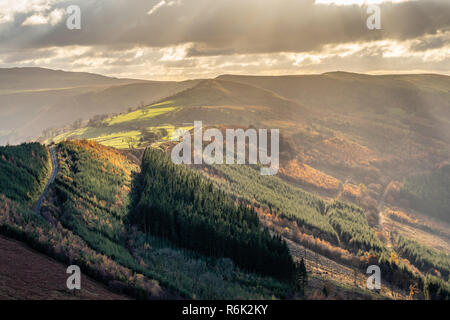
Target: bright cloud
point(174, 39)
point(161, 4)
point(8, 8)
point(53, 18)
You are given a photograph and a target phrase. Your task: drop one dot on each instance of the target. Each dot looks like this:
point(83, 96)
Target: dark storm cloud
point(428, 43)
point(198, 51)
point(222, 27)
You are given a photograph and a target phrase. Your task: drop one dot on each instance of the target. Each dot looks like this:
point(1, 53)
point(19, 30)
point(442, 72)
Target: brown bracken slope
point(28, 275)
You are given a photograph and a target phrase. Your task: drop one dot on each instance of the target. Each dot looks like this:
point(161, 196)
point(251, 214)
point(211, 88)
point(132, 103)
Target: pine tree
point(301, 277)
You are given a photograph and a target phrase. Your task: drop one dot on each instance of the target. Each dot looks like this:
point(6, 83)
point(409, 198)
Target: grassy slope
point(129, 129)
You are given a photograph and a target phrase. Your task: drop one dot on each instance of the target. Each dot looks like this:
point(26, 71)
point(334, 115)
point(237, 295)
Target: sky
point(185, 39)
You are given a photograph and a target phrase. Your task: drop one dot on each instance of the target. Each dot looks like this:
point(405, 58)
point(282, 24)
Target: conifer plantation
point(84, 221)
point(23, 170)
point(177, 204)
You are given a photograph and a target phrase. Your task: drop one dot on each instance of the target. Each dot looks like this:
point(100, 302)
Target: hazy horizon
point(179, 40)
point(412, 72)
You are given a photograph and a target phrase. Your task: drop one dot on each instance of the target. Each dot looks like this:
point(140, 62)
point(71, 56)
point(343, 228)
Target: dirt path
point(37, 207)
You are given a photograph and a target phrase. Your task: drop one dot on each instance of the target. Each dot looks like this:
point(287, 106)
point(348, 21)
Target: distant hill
point(33, 99)
point(221, 102)
point(229, 93)
point(343, 129)
point(15, 79)
point(339, 130)
point(426, 94)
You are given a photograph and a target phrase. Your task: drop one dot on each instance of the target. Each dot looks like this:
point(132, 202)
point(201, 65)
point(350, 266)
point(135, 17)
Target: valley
point(363, 180)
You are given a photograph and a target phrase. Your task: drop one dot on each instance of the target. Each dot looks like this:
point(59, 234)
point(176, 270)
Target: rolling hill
point(38, 79)
point(34, 99)
point(363, 162)
point(350, 127)
point(347, 125)
point(423, 94)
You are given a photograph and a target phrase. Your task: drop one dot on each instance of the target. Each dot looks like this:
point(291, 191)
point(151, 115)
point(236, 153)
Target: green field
point(141, 115)
point(128, 130)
